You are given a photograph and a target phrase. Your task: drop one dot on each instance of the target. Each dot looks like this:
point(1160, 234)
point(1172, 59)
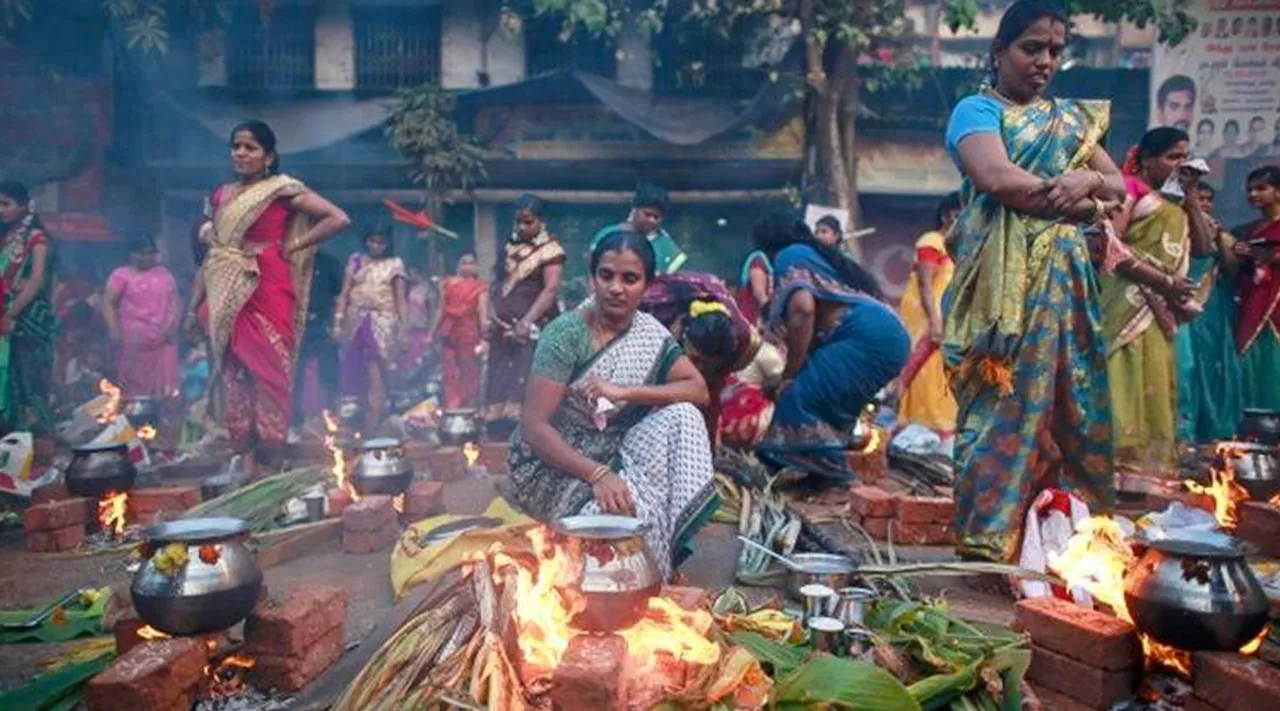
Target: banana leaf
point(941, 690)
point(782, 657)
point(54, 690)
point(846, 684)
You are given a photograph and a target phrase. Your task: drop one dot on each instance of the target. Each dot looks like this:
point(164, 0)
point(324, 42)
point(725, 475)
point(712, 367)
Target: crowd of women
point(1065, 318)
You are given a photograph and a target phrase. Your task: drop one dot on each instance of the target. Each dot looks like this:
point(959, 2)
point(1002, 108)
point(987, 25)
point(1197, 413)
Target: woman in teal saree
point(1023, 339)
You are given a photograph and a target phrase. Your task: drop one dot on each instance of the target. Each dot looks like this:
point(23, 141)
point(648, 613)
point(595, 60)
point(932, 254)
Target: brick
point(590, 675)
point(924, 534)
point(1260, 525)
point(1084, 635)
point(925, 509)
point(291, 543)
point(339, 500)
point(447, 464)
point(361, 542)
point(158, 502)
point(56, 541)
point(286, 627)
point(689, 598)
point(1234, 682)
point(1051, 700)
point(56, 514)
point(371, 513)
point(1078, 680)
point(869, 466)
point(494, 457)
point(946, 491)
point(871, 501)
point(877, 527)
point(126, 633)
point(424, 498)
point(50, 492)
point(157, 676)
point(290, 674)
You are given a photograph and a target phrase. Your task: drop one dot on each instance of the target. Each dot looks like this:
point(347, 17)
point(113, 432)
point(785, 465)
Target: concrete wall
point(473, 43)
point(335, 47)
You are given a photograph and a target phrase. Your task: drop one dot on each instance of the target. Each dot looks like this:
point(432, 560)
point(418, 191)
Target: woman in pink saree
point(141, 308)
point(251, 293)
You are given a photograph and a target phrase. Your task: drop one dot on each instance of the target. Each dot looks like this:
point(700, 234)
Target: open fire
point(546, 601)
point(1096, 559)
point(112, 406)
point(111, 513)
point(227, 676)
point(471, 453)
point(146, 433)
point(1222, 487)
point(337, 456)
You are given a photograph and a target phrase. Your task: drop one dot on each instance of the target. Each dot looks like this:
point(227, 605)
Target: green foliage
point(144, 23)
point(421, 127)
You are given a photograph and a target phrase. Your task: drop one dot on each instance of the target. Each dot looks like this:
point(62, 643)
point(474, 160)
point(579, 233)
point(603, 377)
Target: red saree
point(1259, 290)
point(460, 334)
point(254, 306)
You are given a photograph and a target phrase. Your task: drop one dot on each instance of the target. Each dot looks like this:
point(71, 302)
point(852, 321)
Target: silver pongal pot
point(198, 576)
point(382, 468)
point(618, 578)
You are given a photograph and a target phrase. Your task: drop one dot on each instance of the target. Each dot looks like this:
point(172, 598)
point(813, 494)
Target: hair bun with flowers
point(1131, 166)
point(701, 307)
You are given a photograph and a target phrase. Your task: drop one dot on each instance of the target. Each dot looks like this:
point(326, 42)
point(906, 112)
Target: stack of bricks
point(294, 639)
point(1227, 681)
point(161, 675)
point(161, 503)
point(446, 464)
point(1089, 657)
point(423, 499)
point(910, 520)
point(1260, 525)
point(369, 525)
point(57, 525)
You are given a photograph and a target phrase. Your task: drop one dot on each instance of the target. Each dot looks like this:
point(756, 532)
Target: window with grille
point(278, 54)
point(545, 52)
point(397, 47)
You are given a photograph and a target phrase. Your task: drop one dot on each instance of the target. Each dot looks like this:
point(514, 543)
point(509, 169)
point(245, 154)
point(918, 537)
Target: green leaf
point(853, 685)
point(781, 656)
point(940, 690)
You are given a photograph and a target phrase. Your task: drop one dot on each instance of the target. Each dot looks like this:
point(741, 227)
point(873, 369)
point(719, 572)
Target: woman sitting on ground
point(610, 422)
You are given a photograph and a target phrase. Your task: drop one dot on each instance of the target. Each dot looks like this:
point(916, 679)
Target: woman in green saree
point(1210, 393)
point(1141, 319)
point(610, 422)
point(28, 327)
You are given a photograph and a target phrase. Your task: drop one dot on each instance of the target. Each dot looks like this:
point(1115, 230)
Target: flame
point(148, 632)
point(397, 502)
point(1251, 647)
point(112, 406)
point(1096, 558)
point(1224, 490)
point(111, 512)
point(873, 442)
point(471, 452)
point(1275, 501)
point(339, 467)
point(228, 676)
point(146, 433)
point(546, 600)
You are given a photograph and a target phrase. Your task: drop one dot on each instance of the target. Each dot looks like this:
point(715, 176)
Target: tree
point(848, 45)
point(143, 25)
point(421, 128)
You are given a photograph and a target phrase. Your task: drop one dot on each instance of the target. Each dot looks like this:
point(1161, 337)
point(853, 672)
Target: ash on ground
point(246, 699)
point(1159, 691)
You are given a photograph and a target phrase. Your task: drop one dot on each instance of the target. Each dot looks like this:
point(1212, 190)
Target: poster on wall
point(1222, 83)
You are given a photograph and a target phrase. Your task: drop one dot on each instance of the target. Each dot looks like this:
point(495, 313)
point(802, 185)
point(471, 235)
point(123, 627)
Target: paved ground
point(27, 578)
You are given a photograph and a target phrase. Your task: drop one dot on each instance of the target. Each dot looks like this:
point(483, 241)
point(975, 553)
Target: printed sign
point(1222, 83)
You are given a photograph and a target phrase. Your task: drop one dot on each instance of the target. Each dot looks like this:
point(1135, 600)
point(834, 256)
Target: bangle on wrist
point(597, 474)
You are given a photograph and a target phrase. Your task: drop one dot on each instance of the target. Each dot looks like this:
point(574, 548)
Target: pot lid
point(195, 530)
point(101, 447)
point(1219, 547)
point(381, 443)
point(469, 412)
point(604, 527)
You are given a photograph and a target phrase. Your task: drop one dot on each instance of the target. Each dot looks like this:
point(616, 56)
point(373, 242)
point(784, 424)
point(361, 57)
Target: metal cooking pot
point(216, 588)
point(831, 570)
point(1195, 595)
point(459, 427)
point(382, 468)
point(1259, 425)
point(96, 469)
point(142, 410)
point(618, 577)
point(1256, 468)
